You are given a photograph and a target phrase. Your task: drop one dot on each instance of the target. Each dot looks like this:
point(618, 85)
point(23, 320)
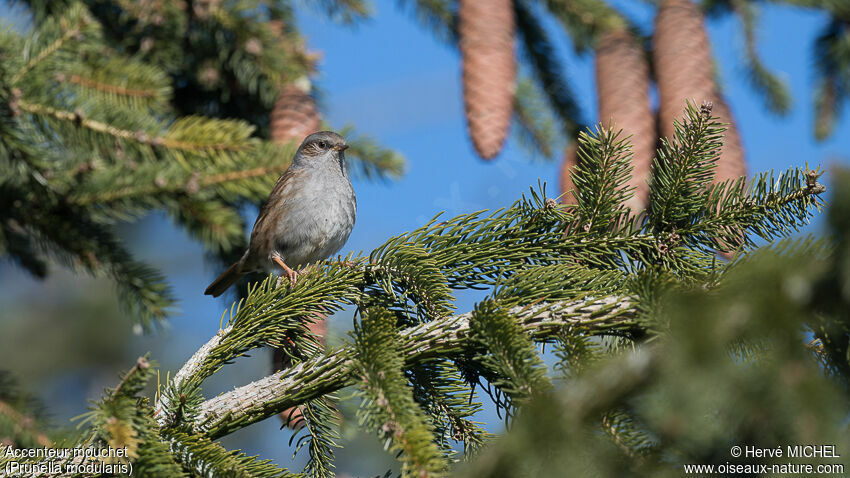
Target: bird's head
point(323, 148)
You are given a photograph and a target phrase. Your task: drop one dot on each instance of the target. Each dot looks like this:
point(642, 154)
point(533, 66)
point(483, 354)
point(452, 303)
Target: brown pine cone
point(486, 32)
point(684, 67)
point(732, 164)
point(567, 165)
point(294, 116)
point(685, 70)
point(622, 83)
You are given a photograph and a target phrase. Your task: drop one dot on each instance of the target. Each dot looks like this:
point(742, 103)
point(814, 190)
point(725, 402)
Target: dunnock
point(307, 217)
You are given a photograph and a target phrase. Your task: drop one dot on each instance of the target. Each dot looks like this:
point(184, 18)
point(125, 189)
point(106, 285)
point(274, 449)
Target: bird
point(307, 218)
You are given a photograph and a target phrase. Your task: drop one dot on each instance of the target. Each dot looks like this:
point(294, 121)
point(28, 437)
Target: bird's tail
point(225, 280)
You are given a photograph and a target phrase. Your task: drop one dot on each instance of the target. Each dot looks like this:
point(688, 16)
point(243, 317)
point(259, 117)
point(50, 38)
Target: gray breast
point(321, 223)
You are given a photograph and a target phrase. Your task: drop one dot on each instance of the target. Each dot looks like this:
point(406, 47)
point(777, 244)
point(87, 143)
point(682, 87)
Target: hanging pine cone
point(568, 164)
point(732, 164)
point(684, 67)
point(486, 32)
point(622, 84)
point(294, 116)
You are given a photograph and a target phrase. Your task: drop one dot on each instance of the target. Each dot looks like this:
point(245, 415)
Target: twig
point(138, 136)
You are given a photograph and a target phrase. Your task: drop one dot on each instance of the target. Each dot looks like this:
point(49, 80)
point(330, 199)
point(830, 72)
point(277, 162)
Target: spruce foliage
point(664, 354)
point(91, 138)
point(654, 337)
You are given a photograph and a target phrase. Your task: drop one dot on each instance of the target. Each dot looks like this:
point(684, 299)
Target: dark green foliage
point(320, 434)
point(439, 16)
point(123, 418)
point(372, 160)
point(829, 296)
point(604, 166)
point(831, 51)
point(89, 137)
point(584, 20)
point(684, 168)
point(548, 70)
point(406, 271)
point(345, 11)
point(775, 92)
point(388, 404)
point(832, 55)
point(535, 127)
point(507, 355)
point(735, 366)
point(225, 59)
point(439, 387)
point(203, 457)
point(271, 313)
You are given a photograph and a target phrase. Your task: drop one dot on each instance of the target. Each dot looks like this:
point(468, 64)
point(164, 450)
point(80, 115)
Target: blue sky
point(394, 81)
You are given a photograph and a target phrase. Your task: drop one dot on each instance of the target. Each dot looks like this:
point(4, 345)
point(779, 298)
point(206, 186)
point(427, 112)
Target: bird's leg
point(291, 274)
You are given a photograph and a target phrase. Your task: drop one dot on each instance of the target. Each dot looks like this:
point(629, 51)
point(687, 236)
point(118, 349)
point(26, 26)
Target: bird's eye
point(323, 145)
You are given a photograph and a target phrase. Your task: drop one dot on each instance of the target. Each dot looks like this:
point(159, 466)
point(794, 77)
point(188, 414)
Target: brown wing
point(269, 212)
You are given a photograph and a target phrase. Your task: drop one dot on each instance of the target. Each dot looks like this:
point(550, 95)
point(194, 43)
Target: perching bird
point(307, 217)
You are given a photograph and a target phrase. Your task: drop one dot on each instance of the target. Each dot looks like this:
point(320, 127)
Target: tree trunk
point(486, 31)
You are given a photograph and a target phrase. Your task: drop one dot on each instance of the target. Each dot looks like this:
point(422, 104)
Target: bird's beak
point(341, 147)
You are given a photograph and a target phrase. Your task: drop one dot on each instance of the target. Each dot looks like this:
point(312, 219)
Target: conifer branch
point(774, 90)
point(536, 128)
point(207, 458)
point(321, 435)
point(586, 20)
point(109, 88)
point(441, 390)
point(21, 419)
point(181, 181)
point(387, 399)
point(140, 137)
point(45, 53)
point(331, 371)
point(508, 355)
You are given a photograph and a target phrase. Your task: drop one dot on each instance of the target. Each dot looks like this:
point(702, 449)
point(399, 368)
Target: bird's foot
point(291, 274)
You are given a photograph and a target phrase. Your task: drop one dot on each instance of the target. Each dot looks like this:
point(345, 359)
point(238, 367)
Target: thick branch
point(187, 370)
point(439, 338)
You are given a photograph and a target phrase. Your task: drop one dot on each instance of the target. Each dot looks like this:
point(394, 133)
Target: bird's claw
point(292, 275)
